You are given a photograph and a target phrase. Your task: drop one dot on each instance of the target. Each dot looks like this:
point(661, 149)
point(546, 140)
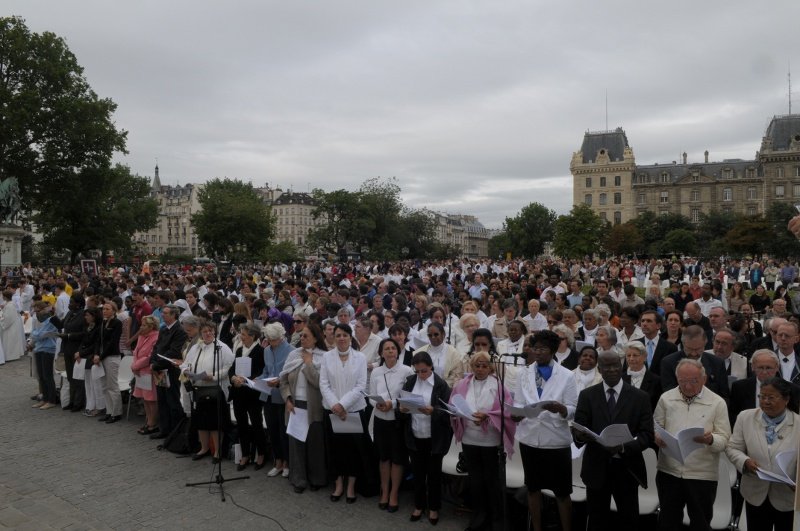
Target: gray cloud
point(475, 107)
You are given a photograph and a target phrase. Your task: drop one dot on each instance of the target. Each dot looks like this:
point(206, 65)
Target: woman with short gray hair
point(247, 406)
point(275, 355)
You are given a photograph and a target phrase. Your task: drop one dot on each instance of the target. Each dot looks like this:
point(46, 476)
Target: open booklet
point(459, 408)
point(411, 401)
point(531, 410)
point(611, 436)
point(785, 471)
point(680, 445)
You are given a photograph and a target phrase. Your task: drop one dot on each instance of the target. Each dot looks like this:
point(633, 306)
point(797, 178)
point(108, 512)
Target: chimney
point(706, 154)
point(684, 158)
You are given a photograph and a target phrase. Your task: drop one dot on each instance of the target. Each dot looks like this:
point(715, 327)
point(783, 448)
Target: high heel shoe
point(383, 505)
point(197, 457)
point(350, 500)
point(433, 519)
point(392, 508)
point(415, 517)
point(259, 466)
point(336, 497)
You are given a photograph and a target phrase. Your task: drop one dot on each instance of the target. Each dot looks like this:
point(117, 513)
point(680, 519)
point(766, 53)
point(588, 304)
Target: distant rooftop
point(613, 142)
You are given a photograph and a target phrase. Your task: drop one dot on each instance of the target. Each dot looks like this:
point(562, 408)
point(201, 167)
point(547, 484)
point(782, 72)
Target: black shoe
point(433, 521)
point(158, 436)
point(67, 407)
point(392, 508)
point(260, 466)
point(75, 409)
point(104, 418)
point(299, 490)
point(197, 457)
point(314, 488)
point(382, 506)
point(350, 500)
point(241, 467)
point(415, 517)
point(215, 460)
point(335, 497)
point(115, 418)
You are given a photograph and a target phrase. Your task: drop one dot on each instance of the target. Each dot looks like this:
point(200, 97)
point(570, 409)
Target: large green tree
point(57, 137)
point(233, 221)
point(579, 233)
point(711, 232)
point(622, 239)
point(779, 241)
point(530, 230)
point(344, 222)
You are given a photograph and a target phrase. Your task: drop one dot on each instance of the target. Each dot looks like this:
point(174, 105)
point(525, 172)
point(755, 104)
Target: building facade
point(606, 177)
point(463, 232)
point(174, 233)
point(293, 215)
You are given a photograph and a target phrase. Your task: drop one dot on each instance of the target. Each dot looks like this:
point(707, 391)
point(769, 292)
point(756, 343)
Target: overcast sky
point(475, 107)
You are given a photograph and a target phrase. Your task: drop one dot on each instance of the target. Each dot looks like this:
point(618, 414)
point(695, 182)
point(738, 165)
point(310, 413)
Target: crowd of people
point(317, 363)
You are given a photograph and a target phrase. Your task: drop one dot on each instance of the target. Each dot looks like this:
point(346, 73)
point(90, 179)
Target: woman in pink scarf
point(145, 387)
point(480, 438)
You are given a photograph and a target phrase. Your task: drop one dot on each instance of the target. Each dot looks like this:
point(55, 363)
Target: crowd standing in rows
point(574, 337)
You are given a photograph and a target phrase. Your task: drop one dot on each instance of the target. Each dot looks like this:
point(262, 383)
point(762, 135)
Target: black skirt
point(390, 441)
point(211, 415)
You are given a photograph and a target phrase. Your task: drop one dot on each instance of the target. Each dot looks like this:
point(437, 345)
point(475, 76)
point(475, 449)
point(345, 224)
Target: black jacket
point(170, 345)
point(441, 430)
point(110, 333)
point(73, 326)
point(257, 367)
point(716, 375)
point(651, 384)
point(663, 349)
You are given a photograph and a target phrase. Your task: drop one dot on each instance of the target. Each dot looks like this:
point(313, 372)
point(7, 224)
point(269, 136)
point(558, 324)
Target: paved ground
point(61, 470)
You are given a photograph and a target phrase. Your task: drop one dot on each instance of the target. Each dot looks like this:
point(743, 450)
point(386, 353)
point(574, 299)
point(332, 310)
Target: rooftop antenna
point(607, 108)
point(789, 77)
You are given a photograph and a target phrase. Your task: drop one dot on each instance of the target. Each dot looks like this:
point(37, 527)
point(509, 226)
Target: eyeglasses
point(298, 321)
point(765, 369)
point(769, 398)
point(689, 381)
point(540, 348)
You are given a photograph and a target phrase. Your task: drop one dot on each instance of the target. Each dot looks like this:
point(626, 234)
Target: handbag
point(207, 392)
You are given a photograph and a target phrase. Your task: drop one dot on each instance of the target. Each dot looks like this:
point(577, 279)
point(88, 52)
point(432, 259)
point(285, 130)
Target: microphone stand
point(501, 450)
point(219, 479)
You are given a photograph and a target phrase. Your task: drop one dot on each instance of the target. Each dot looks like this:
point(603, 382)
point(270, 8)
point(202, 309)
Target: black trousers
point(484, 484)
point(696, 495)
point(427, 468)
point(275, 415)
point(765, 517)
point(625, 489)
point(77, 390)
point(170, 411)
point(44, 370)
point(250, 425)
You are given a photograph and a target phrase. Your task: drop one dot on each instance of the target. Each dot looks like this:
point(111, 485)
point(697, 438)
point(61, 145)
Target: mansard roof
point(613, 142)
point(782, 130)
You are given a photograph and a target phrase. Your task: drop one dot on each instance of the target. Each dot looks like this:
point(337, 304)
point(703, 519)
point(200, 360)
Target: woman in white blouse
point(343, 378)
point(446, 359)
point(387, 381)
point(209, 414)
point(586, 373)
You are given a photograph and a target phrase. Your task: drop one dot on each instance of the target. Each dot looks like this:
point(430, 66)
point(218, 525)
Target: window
point(617, 217)
point(602, 199)
point(695, 215)
point(695, 195)
point(779, 190)
point(727, 194)
point(664, 197)
point(796, 190)
point(797, 171)
point(617, 180)
point(752, 193)
point(602, 181)
point(603, 216)
point(617, 198)
point(587, 199)
point(779, 173)
point(751, 211)
point(589, 183)
point(751, 173)
point(727, 173)
point(695, 177)
point(665, 177)
point(642, 199)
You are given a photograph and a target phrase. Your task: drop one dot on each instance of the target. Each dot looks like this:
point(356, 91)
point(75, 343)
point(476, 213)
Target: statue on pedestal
point(10, 204)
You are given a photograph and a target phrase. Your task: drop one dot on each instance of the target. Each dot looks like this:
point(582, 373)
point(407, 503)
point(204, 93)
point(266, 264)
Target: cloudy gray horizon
point(475, 107)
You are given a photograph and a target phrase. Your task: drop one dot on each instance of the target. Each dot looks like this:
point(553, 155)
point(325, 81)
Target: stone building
point(607, 178)
point(462, 232)
point(293, 215)
point(173, 234)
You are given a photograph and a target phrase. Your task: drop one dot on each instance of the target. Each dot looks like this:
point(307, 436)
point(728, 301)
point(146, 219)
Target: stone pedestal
point(11, 245)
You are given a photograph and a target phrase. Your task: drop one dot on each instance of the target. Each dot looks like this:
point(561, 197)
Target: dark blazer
point(571, 361)
point(651, 384)
point(110, 333)
point(716, 375)
point(743, 396)
point(245, 393)
point(73, 326)
point(225, 334)
point(766, 342)
point(633, 408)
point(663, 349)
point(441, 430)
point(170, 345)
point(90, 343)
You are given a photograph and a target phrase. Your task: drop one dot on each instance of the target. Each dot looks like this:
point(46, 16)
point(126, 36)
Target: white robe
point(12, 334)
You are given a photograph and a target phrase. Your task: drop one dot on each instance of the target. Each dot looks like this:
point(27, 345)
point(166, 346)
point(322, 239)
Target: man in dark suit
point(616, 471)
point(169, 344)
point(764, 365)
point(657, 348)
point(694, 341)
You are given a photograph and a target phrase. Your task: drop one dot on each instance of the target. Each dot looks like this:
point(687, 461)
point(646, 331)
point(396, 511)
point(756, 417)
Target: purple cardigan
point(494, 415)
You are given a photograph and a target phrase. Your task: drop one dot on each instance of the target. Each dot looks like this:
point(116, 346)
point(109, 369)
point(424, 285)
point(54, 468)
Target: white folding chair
point(578, 487)
point(451, 460)
point(124, 377)
point(515, 475)
point(723, 506)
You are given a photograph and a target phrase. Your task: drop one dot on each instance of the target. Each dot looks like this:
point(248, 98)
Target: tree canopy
point(233, 221)
point(579, 233)
point(57, 137)
point(530, 230)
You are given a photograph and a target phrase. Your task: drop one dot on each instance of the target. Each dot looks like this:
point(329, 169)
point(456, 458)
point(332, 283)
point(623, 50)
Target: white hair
point(273, 331)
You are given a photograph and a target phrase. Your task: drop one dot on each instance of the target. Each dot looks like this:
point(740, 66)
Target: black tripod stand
point(219, 479)
point(501, 450)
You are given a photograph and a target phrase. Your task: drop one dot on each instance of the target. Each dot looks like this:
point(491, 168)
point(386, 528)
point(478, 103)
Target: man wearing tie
point(616, 471)
point(786, 338)
point(735, 364)
point(657, 348)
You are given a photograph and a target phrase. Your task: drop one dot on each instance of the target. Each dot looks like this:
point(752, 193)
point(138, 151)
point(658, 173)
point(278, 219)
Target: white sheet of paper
point(243, 366)
point(79, 369)
point(145, 382)
point(298, 424)
point(411, 401)
point(97, 372)
point(272, 379)
point(351, 424)
point(378, 399)
point(611, 436)
point(580, 344)
point(531, 410)
point(258, 385)
point(458, 410)
point(576, 452)
point(679, 446)
point(170, 360)
point(785, 471)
